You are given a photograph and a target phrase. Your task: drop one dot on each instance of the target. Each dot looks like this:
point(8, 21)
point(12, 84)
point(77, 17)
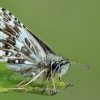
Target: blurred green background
point(72, 29)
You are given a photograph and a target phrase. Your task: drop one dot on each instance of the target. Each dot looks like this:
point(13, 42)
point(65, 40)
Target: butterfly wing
point(17, 44)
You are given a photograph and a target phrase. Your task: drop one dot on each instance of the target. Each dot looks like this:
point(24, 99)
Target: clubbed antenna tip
point(81, 64)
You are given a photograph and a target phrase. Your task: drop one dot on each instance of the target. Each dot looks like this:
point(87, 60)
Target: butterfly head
point(60, 67)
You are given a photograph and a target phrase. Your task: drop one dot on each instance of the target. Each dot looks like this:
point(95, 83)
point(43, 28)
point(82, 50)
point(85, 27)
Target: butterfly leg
point(23, 89)
point(53, 91)
point(66, 84)
point(36, 77)
point(18, 85)
point(44, 90)
point(60, 79)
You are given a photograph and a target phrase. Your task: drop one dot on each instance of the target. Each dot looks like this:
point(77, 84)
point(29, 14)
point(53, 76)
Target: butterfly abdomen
point(24, 70)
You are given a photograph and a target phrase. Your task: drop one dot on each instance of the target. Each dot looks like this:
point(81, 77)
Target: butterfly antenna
point(86, 66)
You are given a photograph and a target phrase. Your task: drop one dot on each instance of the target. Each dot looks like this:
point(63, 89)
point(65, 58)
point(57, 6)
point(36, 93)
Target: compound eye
point(54, 64)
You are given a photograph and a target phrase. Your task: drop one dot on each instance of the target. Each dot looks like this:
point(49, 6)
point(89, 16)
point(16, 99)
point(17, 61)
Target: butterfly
point(27, 54)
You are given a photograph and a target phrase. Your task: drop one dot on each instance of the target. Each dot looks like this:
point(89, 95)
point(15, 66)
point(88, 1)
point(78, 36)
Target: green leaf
point(8, 81)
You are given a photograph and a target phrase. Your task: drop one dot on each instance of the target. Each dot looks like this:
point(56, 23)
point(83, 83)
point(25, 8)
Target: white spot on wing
point(9, 53)
point(2, 52)
point(1, 44)
point(19, 45)
point(16, 61)
point(3, 36)
point(27, 62)
point(33, 74)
